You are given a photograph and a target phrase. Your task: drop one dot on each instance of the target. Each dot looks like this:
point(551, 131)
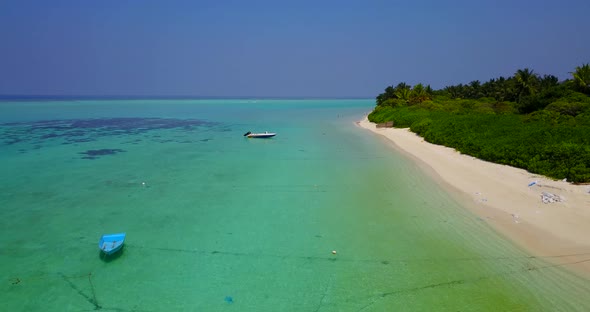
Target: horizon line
point(175, 97)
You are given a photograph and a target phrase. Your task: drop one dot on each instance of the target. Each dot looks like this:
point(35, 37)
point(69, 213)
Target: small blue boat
point(111, 243)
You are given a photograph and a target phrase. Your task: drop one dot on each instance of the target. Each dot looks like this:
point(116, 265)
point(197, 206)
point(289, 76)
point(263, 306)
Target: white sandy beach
point(501, 195)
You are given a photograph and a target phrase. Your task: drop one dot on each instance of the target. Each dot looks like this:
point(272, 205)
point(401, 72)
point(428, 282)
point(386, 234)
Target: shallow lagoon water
point(218, 222)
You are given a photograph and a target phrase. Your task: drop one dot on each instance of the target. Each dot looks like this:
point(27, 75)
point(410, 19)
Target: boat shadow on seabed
point(108, 258)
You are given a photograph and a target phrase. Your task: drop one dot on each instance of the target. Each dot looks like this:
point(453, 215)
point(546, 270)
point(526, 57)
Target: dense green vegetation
point(526, 121)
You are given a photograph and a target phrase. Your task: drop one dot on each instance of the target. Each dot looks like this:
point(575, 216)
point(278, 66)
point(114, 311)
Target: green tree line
point(527, 121)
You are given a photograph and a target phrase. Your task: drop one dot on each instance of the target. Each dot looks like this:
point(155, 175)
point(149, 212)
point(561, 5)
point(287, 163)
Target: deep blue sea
point(219, 222)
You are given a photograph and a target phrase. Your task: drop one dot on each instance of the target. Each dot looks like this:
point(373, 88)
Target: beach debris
point(481, 199)
point(333, 252)
point(143, 183)
point(515, 218)
point(533, 183)
point(549, 198)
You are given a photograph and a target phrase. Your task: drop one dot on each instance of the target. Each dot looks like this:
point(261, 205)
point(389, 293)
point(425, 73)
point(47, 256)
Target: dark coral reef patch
point(94, 154)
point(74, 131)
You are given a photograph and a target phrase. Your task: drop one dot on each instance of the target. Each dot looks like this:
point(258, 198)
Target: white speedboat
point(262, 135)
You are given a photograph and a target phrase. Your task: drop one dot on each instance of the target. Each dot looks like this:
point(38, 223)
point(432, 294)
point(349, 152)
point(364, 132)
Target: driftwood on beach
point(388, 124)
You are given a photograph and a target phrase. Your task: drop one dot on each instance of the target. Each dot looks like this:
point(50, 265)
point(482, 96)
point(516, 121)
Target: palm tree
point(581, 79)
point(488, 88)
point(429, 91)
point(419, 94)
point(475, 89)
point(509, 88)
point(402, 85)
point(548, 81)
point(452, 91)
point(388, 94)
point(403, 94)
point(526, 82)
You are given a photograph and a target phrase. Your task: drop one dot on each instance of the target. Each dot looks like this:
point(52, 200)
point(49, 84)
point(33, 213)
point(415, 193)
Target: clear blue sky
point(280, 48)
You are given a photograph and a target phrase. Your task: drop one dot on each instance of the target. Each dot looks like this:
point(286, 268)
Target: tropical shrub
point(568, 108)
point(525, 121)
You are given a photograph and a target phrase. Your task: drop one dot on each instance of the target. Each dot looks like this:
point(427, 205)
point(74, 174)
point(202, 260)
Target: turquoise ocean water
point(218, 222)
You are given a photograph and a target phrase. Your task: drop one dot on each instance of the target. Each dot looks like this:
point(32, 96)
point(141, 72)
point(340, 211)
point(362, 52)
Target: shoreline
point(557, 231)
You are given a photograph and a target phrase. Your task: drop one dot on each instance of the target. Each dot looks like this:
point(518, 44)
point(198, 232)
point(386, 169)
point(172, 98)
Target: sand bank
point(557, 229)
